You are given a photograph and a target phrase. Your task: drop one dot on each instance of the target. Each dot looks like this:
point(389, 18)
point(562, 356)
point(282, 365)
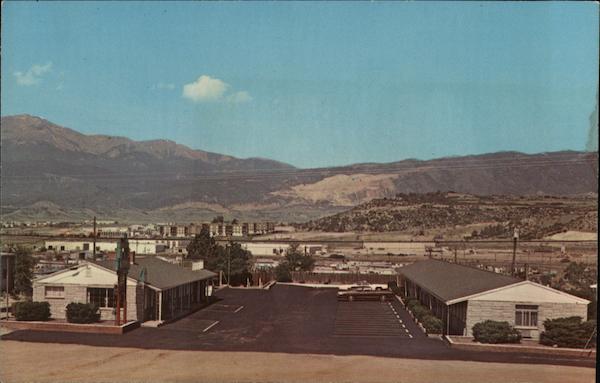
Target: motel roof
point(160, 274)
point(450, 281)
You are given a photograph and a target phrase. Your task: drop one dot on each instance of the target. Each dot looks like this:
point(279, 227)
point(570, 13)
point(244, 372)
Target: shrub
point(82, 313)
point(567, 332)
point(420, 311)
point(283, 273)
point(31, 311)
point(411, 303)
point(432, 324)
point(491, 331)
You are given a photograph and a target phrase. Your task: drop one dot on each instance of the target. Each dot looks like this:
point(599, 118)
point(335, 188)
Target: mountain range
point(53, 172)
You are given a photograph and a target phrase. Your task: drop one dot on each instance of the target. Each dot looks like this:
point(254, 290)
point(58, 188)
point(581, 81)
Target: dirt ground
point(35, 362)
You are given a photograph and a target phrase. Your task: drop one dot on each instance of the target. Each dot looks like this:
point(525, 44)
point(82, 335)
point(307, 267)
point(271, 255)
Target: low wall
point(71, 327)
point(323, 278)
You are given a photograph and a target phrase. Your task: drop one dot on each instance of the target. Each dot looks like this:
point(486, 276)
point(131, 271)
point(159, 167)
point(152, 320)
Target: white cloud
point(205, 89)
point(239, 97)
point(33, 75)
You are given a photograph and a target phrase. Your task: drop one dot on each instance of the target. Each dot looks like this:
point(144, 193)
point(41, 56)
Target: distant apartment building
point(216, 229)
point(243, 229)
point(112, 232)
point(172, 230)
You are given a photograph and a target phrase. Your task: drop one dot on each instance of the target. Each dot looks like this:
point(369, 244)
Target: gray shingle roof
point(449, 281)
point(161, 274)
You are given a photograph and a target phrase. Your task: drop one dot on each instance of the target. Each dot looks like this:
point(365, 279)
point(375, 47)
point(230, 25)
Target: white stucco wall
point(481, 310)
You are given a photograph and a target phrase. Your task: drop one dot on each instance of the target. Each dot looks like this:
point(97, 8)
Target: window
point(526, 315)
point(55, 292)
point(101, 297)
point(62, 248)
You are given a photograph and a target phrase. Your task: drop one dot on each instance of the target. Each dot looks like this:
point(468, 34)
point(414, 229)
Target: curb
point(437, 336)
point(476, 346)
point(269, 285)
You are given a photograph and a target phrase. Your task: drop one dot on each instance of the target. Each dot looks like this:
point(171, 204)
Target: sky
point(310, 84)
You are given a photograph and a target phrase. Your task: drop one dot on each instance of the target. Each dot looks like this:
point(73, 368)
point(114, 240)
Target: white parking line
point(238, 309)
point(211, 326)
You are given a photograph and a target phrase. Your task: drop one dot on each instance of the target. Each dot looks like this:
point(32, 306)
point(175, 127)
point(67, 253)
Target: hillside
point(479, 216)
point(48, 169)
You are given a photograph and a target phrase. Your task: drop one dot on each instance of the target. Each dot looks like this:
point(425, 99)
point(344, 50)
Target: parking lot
point(292, 319)
point(368, 319)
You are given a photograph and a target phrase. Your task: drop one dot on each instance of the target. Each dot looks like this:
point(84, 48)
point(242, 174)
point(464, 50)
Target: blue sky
point(311, 84)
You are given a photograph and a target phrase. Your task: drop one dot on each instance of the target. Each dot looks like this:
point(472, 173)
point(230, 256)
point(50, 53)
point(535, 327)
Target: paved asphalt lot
point(292, 319)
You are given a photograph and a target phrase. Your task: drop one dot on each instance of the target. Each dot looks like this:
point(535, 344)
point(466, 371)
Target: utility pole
point(7, 283)
point(94, 246)
point(514, 257)
point(228, 265)
point(455, 255)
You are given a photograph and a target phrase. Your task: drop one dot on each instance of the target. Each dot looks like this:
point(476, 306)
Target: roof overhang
point(466, 298)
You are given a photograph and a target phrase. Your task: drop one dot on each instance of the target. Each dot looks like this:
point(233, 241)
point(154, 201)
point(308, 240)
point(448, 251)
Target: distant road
point(316, 241)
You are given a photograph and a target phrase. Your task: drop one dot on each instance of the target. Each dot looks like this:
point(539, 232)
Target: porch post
point(160, 305)
point(447, 319)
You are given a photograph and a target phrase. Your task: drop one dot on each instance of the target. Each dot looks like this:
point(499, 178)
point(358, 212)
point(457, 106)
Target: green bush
point(283, 273)
point(31, 311)
point(491, 331)
point(411, 303)
point(82, 313)
point(432, 324)
point(567, 332)
point(420, 312)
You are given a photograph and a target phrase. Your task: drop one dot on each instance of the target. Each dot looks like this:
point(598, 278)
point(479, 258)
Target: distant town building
point(83, 245)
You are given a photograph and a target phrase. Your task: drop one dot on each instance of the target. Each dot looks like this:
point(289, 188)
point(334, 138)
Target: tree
point(232, 260)
point(297, 260)
point(282, 273)
point(203, 246)
point(218, 219)
point(23, 272)
point(239, 259)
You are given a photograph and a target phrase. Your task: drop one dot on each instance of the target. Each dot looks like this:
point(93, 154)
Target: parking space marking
point(211, 326)
point(368, 319)
point(238, 309)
